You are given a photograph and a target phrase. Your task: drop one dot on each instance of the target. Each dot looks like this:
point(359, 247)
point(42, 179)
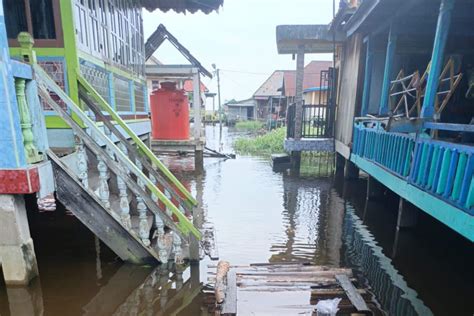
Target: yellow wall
point(312, 97)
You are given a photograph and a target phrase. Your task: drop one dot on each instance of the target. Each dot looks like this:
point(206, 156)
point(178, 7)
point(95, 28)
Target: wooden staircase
point(115, 185)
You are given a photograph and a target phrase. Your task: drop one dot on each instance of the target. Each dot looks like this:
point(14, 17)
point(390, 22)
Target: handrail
point(144, 148)
point(449, 127)
point(183, 223)
point(146, 164)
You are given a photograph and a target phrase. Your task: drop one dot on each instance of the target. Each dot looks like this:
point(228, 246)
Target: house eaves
point(315, 38)
point(182, 6)
point(159, 36)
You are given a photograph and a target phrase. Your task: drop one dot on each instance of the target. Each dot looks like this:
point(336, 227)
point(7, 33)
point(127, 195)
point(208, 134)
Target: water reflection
point(390, 288)
point(259, 216)
point(312, 218)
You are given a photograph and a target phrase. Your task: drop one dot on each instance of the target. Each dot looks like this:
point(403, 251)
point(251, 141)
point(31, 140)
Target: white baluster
point(124, 203)
point(82, 162)
point(103, 189)
point(160, 226)
point(143, 229)
point(168, 195)
point(178, 255)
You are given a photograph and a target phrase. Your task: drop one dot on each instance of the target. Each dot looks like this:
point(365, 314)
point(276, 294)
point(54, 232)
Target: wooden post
point(374, 189)
point(350, 170)
point(197, 104)
point(198, 153)
point(407, 214)
point(368, 77)
point(295, 161)
point(299, 91)
point(391, 47)
point(340, 162)
point(437, 57)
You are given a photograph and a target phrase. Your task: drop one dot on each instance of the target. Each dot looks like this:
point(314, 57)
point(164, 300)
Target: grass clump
point(267, 144)
point(248, 125)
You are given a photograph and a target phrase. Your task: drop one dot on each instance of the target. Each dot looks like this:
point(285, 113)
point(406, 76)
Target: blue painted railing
point(445, 170)
point(440, 168)
point(391, 150)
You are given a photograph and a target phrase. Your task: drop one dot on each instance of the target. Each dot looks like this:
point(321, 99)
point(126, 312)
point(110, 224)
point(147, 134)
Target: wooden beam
point(229, 307)
point(84, 204)
point(352, 293)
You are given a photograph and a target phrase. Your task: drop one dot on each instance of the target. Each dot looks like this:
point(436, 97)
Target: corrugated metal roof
point(271, 86)
point(188, 86)
point(182, 6)
point(242, 103)
point(312, 77)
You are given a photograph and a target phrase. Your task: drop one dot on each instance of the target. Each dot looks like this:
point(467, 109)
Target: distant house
point(269, 97)
point(240, 110)
point(278, 91)
point(313, 92)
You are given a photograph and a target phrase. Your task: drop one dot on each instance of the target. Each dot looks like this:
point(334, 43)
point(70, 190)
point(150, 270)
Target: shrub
point(267, 144)
point(249, 125)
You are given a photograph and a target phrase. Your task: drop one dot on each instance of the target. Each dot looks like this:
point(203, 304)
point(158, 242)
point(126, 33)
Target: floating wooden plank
point(208, 243)
point(221, 276)
point(230, 303)
point(352, 293)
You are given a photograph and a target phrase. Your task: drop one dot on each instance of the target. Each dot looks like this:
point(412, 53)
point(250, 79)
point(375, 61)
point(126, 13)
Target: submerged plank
point(352, 293)
point(229, 307)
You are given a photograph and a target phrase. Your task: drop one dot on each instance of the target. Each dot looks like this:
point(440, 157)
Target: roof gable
point(312, 77)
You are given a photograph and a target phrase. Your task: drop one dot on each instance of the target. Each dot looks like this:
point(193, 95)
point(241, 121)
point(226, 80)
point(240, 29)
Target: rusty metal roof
point(159, 36)
point(182, 6)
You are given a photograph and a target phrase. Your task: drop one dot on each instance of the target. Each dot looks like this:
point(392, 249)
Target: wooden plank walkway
point(283, 288)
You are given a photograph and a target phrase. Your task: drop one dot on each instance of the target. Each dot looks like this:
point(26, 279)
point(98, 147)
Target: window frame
point(57, 42)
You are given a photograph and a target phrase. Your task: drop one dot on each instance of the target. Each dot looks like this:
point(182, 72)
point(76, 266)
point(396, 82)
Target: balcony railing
point(441, 168)
point(314, 124)
point(391, 150)
point(317, 119)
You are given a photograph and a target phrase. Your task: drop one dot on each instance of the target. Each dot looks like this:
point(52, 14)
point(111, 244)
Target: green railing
point(142, 146)
point(46, 84)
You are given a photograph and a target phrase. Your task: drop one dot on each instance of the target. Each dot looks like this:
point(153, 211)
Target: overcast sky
point(240, 39)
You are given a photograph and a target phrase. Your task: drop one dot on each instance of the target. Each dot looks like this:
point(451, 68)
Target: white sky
point(239, 39)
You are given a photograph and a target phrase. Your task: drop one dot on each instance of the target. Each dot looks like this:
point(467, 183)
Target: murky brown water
point(260, 216)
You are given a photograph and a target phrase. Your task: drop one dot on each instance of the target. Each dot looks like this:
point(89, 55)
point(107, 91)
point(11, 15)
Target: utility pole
point(218, 96)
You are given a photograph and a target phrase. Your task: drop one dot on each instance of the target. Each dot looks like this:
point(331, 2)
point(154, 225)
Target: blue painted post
point(437, 57)
point(391, 47)
point(368, 77)
point(12, 151)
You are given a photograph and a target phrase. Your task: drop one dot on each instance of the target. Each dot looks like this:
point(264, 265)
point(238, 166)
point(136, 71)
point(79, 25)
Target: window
point(37, 17)
point(42, 19)
point(15, 17)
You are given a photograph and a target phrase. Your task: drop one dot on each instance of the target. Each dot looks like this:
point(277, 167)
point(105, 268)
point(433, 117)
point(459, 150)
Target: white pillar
point(197, 104)
point(17, 254)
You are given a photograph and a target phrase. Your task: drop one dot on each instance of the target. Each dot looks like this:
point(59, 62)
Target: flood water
point(259, 216)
